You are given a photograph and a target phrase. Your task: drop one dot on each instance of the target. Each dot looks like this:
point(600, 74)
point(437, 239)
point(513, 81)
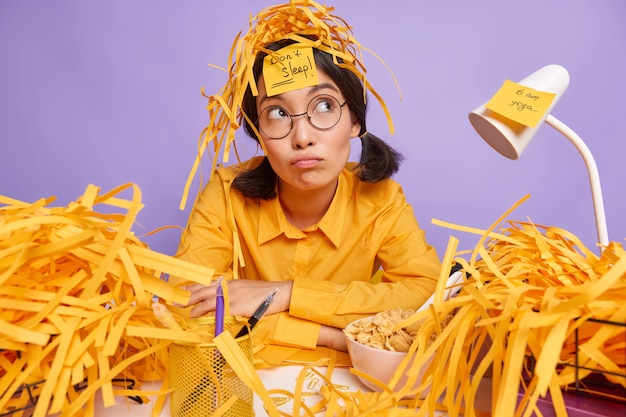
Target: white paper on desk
point(453, 279)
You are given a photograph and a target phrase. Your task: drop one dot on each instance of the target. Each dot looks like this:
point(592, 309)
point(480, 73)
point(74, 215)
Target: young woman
point(303, 220)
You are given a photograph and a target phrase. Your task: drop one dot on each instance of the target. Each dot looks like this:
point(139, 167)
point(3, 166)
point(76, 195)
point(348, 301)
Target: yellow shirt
point(367, 227)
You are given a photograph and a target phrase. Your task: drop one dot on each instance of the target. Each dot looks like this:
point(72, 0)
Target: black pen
point(252, 321)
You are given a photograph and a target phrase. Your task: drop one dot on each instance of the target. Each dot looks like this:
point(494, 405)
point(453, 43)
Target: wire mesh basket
point(600, 382)
point(203, 381)
point(28, 391)
point(595, 381)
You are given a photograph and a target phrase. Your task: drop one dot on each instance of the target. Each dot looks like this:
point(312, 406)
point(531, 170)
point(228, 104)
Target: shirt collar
point(272, 220)
point(332, 222)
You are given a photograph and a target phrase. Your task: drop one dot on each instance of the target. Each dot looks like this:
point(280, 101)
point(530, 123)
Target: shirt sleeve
point(285, 330)
point(208, 238)
point(411, 268)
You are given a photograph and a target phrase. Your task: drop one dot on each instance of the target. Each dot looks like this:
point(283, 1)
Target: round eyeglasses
point(323, 112)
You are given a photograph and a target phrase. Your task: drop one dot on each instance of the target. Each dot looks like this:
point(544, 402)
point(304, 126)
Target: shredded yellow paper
point(76, 293)
point(84, 308)
point(530, 288)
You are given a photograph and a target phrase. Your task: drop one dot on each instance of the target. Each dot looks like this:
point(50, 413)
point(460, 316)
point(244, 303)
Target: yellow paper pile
point(76, 294)
point(76, 315)
point(531, 287)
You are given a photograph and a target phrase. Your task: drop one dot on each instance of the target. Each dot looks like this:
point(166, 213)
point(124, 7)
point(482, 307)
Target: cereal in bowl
point(378, 331)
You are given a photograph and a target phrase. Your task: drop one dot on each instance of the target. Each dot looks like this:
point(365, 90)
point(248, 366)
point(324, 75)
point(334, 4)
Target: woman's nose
point(302, 131)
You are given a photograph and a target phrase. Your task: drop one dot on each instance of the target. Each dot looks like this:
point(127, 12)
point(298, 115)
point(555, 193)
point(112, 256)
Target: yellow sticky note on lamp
point(521, 104)
point(289, 68)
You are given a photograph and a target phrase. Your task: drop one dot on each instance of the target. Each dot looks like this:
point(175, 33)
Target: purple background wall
point(109, 92)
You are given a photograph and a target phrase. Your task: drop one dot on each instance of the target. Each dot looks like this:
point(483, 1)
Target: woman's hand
point(244, 296)
point(333, 338)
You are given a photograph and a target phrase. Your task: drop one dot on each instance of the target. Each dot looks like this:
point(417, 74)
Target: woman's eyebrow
point(322, 86)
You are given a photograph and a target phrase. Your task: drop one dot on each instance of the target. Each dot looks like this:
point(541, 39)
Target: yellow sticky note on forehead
point(289, 68)
point(521, 104)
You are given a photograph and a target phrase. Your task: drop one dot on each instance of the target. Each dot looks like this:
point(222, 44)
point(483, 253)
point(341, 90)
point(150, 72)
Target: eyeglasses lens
point(323, 112)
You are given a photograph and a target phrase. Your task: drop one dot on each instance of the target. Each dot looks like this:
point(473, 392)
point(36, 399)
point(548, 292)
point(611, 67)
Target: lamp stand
point(594, 176)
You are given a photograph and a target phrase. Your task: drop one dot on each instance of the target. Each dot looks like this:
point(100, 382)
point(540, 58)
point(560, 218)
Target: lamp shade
point(509, 137)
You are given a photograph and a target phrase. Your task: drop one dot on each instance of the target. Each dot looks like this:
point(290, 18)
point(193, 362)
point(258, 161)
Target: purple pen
point(219, 308)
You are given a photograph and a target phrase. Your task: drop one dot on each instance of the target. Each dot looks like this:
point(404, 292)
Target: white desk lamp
point(510, 138)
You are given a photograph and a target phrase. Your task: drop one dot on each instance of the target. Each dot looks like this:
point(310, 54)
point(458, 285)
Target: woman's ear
point(356, 128)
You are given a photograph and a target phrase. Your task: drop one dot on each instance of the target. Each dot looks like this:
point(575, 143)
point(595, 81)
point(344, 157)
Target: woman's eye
point(324, 105)
point(276, 113)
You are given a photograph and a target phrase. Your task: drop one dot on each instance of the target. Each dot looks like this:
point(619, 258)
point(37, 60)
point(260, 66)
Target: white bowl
point(379, 363)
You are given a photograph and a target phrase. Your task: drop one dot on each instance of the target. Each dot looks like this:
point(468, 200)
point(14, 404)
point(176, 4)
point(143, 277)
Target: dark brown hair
point(378, 160)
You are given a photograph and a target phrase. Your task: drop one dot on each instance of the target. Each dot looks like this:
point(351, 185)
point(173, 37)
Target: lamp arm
point(592, 170)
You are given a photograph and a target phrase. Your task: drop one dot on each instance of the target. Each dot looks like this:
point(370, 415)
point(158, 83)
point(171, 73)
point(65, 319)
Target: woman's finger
point(202, 308)
point(202, 294)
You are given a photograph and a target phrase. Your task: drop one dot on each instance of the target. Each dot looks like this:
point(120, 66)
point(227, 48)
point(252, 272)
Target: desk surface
point(280, 377)
point(285, 377)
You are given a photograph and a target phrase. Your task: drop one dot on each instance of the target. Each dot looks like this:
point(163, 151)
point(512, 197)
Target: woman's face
point(308, 158)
